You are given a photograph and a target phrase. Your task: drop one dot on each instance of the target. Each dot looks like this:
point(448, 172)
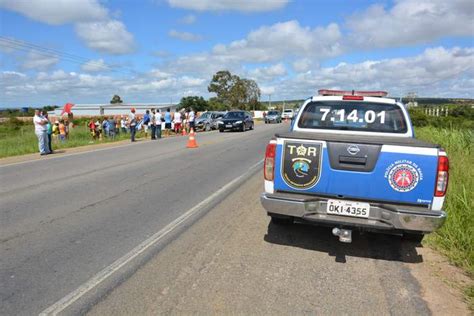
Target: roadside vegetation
point(18, 138)
point(456, 135)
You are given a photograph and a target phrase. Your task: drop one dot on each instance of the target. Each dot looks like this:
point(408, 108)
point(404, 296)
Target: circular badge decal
point(403, 178)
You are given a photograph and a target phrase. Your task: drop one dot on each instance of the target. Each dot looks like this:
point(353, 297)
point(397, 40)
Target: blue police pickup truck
point(351, 161)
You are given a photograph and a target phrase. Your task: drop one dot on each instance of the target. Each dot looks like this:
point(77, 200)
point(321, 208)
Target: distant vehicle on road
point(288, 114)
point(208, 120)
point(236, 121)
point(273, 117)
point(351, 161)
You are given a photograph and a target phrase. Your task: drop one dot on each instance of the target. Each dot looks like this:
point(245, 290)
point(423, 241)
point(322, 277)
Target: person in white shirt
point(123, 125)
point(177, 122)
point(158, 120)
point(191, 119)
point(153, 124)
point(41, 131)
point(132, 121)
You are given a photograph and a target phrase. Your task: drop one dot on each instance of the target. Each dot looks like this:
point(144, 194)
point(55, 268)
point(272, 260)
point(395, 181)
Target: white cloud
point(229, 5)
point(411, 22)
point(95, 66)
point(303, 65)
point(431, 73)
point(156, 73)
point(267, 90)
point(188, 19)
point(286, 39)
point(57, 12)
point(92, 21)
point(107, 36)
point(185, 36)
point(186, 81)
point(37, 61)
point(437, 72)
point(268, 73)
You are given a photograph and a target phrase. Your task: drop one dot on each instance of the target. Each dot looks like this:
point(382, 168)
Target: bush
point(456, 237)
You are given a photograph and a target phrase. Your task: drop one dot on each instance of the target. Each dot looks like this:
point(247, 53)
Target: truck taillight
point(442, 176)
point(269, 164)
point(353, 98)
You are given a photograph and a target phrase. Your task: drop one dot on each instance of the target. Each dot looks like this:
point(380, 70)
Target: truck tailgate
point(361, 168)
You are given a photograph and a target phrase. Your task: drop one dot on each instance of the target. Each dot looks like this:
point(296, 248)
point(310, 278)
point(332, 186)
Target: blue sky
point(84, 51)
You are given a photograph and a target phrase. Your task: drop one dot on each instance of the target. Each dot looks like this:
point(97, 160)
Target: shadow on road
point(364, 245)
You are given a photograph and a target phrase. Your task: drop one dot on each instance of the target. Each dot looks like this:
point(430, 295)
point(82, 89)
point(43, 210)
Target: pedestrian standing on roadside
point(98, 129)
point(117, 125)
point(41, 132)
point(56, 131)
point(49, 128)
point(146, 122)
point(66, 128)
point(153, 124)
point(105, 126)
point(191, 120)
point(177, 122)
point(91, 128)
point(123, 125)
point(62, 131)
point(158, 119)
point(112, 123)
point(132, 121)
point(167, 122)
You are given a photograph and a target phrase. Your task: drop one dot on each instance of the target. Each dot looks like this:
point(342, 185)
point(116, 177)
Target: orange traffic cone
point(192, 140)
point(184, 131)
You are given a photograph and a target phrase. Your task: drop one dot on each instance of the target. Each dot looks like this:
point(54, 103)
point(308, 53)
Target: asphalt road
point(234, 261)
point(64, 218)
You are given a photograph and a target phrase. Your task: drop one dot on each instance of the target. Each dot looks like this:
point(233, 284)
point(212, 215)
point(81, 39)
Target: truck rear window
point(353, 116)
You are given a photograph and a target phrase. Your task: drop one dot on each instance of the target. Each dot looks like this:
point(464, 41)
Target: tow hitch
point(345, 235)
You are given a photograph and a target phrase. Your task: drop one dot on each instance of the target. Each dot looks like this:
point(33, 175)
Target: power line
point(49, 52)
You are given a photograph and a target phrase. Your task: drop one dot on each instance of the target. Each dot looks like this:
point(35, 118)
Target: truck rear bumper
point(381, 217)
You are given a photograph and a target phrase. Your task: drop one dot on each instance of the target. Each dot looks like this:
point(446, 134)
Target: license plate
point(228, 125)
point(348, 208)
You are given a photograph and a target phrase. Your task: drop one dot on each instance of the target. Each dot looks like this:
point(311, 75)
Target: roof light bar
point(327, 92)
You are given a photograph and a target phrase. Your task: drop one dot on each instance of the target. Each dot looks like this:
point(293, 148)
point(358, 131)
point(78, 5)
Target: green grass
point(22, 140)
point(456, 238)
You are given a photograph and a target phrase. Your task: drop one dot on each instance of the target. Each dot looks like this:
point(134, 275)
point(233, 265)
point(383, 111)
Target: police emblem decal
point(301, 164)
point(403, 177)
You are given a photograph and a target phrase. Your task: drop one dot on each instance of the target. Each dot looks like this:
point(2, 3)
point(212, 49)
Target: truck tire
point(281, 220)
point(413, 237)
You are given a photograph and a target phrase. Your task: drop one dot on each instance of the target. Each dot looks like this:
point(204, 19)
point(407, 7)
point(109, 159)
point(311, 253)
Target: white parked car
point(288, 113)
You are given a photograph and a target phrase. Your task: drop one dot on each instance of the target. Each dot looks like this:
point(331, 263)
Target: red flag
point(67, 108)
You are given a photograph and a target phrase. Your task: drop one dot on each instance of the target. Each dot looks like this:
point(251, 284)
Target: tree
point(234, 92)
point(197, 103)
point(116, 99)
point(216, 105)
point(222, 84)
point(252, 94)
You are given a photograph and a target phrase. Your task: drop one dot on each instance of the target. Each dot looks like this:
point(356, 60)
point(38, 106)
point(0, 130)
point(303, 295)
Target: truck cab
point(351, 161)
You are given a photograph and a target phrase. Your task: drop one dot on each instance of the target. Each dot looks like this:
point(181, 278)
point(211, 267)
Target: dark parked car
point(236, 120)
point(273, 117)
point(208, 120)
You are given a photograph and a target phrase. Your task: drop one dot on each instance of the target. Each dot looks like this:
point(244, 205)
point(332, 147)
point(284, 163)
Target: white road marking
point(69, 299)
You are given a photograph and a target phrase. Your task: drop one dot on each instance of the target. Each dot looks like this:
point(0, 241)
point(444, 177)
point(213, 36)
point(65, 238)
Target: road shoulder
point(234, 261)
